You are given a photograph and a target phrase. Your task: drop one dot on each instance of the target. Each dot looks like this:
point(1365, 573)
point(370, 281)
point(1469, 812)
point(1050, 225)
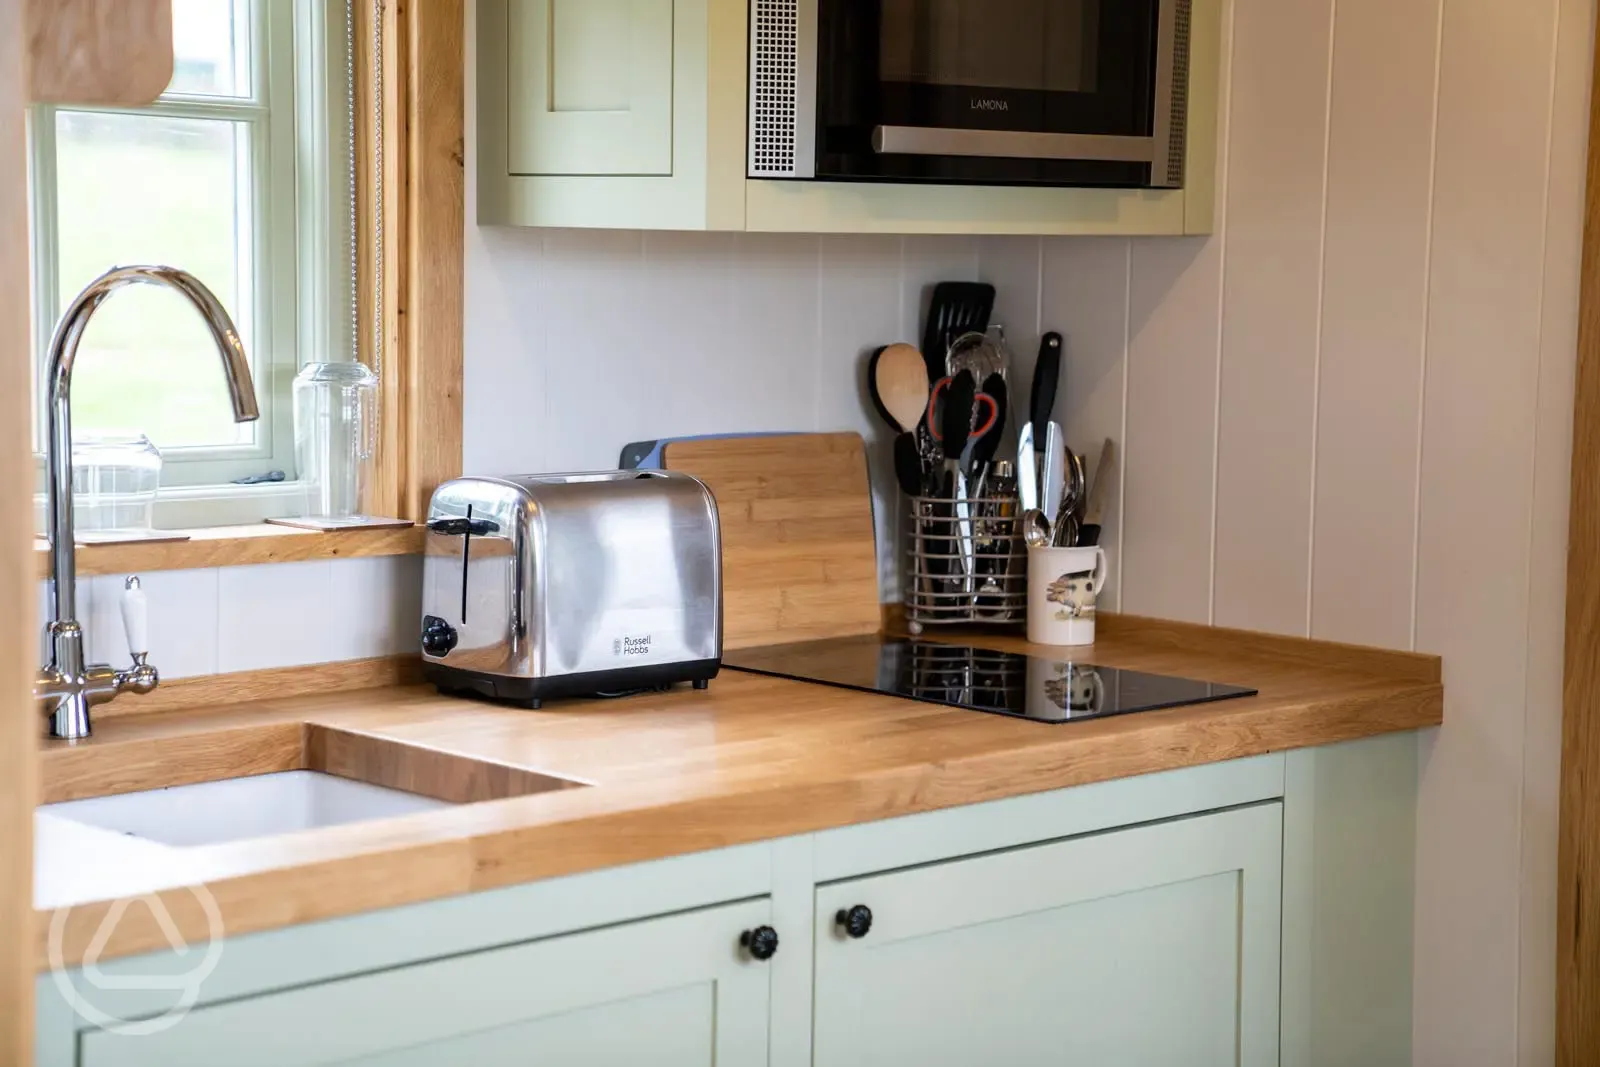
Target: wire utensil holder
point(966, 564)
point(953, 674)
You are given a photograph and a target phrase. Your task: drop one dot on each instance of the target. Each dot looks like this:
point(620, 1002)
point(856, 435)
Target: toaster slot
point(465, 528)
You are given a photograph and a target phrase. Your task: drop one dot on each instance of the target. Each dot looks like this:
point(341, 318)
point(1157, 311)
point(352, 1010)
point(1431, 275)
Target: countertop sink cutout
point(339, 777)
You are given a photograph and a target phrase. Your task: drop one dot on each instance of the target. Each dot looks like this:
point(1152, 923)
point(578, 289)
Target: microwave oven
point(973, 92)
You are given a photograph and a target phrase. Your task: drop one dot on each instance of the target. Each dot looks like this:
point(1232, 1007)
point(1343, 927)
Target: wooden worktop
point(751, 759)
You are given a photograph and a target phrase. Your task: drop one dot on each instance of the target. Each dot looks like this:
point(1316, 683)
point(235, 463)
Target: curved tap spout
point(65, 685)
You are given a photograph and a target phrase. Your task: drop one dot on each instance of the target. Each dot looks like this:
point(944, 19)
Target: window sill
point(236, 546)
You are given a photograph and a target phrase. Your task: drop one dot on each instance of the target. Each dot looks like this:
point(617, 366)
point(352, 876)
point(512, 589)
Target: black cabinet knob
point(854, 921)
point(438, 636)
point(761, 943)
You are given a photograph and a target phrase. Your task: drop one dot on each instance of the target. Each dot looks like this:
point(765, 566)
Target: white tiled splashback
point(252, 618)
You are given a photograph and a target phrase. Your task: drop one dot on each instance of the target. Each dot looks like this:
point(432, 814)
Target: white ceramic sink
point(237, 809)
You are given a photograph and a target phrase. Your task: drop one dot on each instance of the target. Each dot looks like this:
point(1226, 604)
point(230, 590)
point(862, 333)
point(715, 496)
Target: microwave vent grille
point(1177, 132)
point(774, 67)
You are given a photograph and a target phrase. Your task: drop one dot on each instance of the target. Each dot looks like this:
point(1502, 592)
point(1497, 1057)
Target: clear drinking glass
point(335, 432)
point(114, 482)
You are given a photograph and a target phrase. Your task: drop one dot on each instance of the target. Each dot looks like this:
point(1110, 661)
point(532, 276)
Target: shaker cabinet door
point(1151, 947)
point(591, 87)
point(673, 992)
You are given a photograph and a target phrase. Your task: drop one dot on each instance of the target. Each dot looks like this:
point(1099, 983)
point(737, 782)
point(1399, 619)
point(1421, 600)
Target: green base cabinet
point(674, 992)
point(1250, 914)
point(1155, 946)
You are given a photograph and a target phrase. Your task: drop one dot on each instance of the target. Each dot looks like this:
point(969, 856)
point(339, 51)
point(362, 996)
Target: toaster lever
point(467, 526)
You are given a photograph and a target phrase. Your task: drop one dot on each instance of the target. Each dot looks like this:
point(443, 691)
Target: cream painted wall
point(1346, 416)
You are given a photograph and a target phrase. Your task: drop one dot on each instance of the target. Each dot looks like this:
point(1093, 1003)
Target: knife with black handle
point(956, 428)
point(1046, 379)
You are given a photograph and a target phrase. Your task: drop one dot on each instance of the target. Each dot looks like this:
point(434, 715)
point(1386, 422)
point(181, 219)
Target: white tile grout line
point(1038, 290)
point(1122, 433)
point(1225, 131)
point(817, 360)
point(898, 526)
point(1322, 297)
point(542, 296)
point(1427, 318)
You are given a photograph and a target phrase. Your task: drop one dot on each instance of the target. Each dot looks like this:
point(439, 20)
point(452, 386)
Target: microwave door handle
point(1010, 144)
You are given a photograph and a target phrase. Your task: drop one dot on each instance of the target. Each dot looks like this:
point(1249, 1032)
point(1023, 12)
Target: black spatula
point(956, 308)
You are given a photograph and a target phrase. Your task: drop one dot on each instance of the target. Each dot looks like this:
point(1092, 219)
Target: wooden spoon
point(899, 380)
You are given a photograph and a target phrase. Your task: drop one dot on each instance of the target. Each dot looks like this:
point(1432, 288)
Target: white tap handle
point(135, 619)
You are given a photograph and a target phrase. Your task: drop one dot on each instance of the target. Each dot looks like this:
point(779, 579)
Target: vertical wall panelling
point(926, 261)
point(1174, 349)
point(1085, 297)
point(1169, 487)
point(1380, 163)
point(1011, 265)
point(507, 309)
point(777, 318)
point(683, 312)
point(1484, 315)
point(1541, 756)
point(1272, 288)
point(600, 384)
point(1344, 411)
point(860, 308)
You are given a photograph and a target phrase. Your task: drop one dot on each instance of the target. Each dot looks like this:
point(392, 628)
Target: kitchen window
point(240, 174)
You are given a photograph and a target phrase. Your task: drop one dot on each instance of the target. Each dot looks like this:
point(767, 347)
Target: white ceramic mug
point(1063, 587)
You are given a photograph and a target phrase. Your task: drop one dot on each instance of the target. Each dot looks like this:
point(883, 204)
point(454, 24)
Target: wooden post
point(80, 51)
point(1578, 895)
point(435, 220)
point(414, 168)
point(19, 726)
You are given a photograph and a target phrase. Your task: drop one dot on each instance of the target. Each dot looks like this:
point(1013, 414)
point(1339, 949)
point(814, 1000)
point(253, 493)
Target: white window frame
point(299, 300)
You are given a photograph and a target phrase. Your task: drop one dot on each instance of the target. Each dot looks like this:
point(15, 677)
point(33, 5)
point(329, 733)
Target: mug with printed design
point(1064, 586)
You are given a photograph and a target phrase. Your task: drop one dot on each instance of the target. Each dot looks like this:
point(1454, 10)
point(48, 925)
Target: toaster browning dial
point(438, 636)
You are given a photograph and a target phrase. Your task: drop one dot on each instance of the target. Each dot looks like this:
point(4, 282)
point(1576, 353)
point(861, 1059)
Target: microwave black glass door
point(915, 89)
point(1009, 46)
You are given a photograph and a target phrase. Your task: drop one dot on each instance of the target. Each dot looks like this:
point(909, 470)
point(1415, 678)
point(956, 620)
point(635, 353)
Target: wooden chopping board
point(798, 553)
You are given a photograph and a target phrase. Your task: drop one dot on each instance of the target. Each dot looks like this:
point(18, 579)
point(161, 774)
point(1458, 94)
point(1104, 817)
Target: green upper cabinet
point(595, 80)
point(633, 114)
point(671, 992)
point(1156, 946)
point(625, 114)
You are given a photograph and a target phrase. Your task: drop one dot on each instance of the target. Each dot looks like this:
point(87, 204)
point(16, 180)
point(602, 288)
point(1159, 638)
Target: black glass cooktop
point(978, 679)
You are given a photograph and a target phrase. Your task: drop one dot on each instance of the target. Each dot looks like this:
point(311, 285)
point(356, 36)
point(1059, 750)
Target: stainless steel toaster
point(571, 585)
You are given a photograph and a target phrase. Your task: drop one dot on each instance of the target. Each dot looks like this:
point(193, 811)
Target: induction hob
point(1040, 689)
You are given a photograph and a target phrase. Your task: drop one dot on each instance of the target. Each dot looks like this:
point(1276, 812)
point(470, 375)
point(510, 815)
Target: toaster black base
point(533, 692)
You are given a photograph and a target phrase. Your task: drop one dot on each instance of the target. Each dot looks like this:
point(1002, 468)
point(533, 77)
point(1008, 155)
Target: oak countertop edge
point(734, 772)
